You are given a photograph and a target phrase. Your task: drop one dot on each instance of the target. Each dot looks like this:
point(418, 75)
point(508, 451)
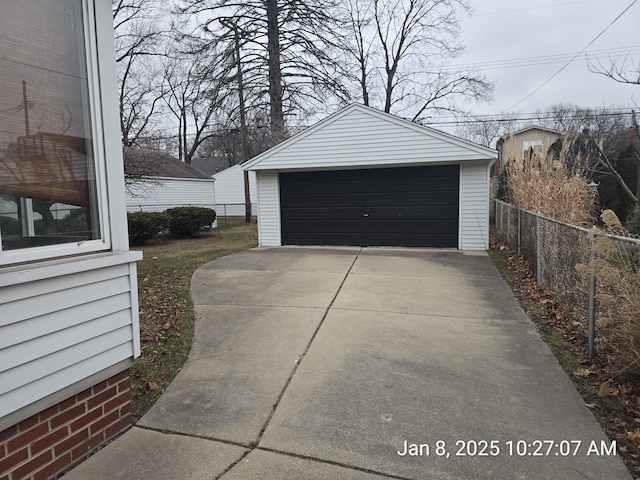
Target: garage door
point(412, 206)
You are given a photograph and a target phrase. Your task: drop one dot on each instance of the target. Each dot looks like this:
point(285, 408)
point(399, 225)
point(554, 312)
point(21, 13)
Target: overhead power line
point(537, 7)
point(546, 59)
point(575, 56)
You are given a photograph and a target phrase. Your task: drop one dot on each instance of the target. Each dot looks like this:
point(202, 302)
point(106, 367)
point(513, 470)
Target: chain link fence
point(580, 267)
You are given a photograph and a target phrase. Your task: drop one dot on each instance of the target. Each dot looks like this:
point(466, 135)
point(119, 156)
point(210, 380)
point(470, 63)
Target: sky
point(542, 39)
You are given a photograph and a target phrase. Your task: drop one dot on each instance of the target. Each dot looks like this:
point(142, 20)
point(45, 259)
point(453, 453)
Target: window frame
point(97, 61)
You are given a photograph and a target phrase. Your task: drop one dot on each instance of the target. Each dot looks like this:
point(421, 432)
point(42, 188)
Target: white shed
point(364, 177)
point(230, 198)
point(163, 182)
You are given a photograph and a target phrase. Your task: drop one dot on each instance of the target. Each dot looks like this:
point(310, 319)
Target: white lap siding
point(160, 194)
point(62, 327)
point(474, 207)
point(268, 209)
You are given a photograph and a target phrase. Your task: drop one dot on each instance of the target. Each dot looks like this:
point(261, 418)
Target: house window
point(531, 149)
point(51, 184)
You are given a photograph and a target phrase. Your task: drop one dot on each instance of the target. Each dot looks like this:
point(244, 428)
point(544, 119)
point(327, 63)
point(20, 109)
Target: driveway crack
point(304, 353)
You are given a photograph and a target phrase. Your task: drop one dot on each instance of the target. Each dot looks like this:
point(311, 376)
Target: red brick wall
point(50, 442)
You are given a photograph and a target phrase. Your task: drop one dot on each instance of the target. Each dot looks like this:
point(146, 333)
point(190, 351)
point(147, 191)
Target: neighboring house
point(517, 146)
point(364, 177)
point(68, 286)
point(159, 181)
point(230, 196)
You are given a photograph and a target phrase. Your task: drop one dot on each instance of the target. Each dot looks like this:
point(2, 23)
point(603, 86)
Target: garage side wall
point(474, 206)
point(268, 209)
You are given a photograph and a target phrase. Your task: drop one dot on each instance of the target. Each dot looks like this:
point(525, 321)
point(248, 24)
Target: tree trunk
point(276, 114)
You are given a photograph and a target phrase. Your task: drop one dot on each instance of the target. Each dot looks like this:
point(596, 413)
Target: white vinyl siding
point(230, 191)
point(361, 137)
point(268, 209)
point(63, 323)
point(474, 206)
point(159, 194)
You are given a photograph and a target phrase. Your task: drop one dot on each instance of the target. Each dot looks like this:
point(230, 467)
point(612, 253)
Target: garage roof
point(359, 136)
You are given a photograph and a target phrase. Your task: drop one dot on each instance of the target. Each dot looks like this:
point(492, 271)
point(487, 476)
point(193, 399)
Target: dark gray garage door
point(412, 207)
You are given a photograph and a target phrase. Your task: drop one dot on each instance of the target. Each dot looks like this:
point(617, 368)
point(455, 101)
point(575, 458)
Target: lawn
point(166, 310)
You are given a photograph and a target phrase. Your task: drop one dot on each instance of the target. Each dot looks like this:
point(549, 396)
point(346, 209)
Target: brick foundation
point(46, 444)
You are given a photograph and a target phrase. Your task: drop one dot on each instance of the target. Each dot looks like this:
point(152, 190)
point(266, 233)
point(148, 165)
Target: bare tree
point(140, 28)
point(487, 130)
point(608, 127)
point(286, 45)
point(591, 137)
point(401, 51)
point(195, 91)
point(621, 69)
point(359, 49)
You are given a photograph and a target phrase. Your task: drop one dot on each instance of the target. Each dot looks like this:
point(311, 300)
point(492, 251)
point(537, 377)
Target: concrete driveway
point(363, 364)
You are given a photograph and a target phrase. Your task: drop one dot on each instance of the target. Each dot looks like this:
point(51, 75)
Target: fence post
point(519, 222)
point(509, 226)
point(539, 249)
point(592, 295)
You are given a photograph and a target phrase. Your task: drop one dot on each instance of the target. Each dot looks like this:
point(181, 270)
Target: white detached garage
point(364, 177)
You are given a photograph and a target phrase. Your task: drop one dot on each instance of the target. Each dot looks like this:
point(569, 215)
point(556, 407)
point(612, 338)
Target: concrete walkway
point(329, 363)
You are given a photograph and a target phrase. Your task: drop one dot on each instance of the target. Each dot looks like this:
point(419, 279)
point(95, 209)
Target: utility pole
point(243, 119)
point(25, 104)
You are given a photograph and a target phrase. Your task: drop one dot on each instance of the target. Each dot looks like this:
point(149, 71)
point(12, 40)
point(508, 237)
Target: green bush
point(145, 225)
point(187, 221)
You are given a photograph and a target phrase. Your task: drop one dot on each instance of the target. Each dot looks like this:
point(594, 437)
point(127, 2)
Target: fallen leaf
point(605, 389)
point(634, 436)
point(582, 372)
point(153, 386)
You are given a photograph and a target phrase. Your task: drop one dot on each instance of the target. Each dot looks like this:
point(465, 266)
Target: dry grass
point(548, 186)
point(617, 268)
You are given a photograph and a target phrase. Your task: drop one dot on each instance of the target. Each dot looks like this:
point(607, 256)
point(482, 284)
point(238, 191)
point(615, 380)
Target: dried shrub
point(616, 265)
point(549, 186)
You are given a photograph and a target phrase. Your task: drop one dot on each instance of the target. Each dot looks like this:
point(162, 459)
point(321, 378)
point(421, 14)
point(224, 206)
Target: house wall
point(513, 146)
point(70, 332)
point(61, 324)
point(162, 193)
point(230, 191)
point(69, 316)
point(55, 439)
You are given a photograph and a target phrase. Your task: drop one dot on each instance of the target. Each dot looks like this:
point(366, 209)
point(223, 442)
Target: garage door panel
point(402, 198)
point(408, 214)
point(410, 206)
point(337, 226)
point(410, 184)
point(322, 213)
point(415, 240)
point(328, 200)
point(334, 233)
point(374, 227)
